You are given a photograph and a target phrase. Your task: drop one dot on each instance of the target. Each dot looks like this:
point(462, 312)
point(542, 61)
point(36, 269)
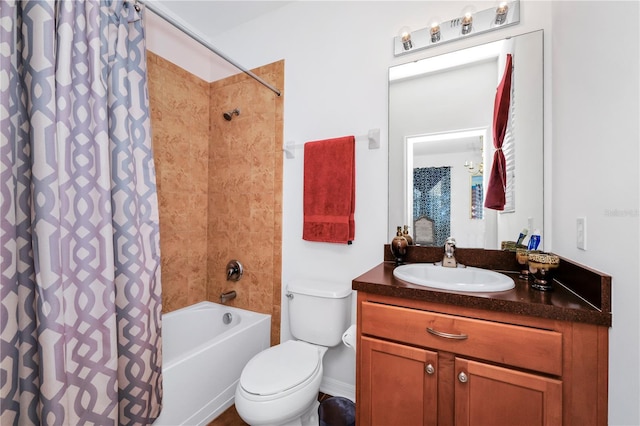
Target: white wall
point(336, 59)
point(595, 169)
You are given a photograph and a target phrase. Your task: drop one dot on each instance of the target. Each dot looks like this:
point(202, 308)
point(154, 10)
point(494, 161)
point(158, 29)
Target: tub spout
point(229, 295)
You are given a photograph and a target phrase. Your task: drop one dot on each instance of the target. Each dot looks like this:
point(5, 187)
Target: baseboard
point(335, 387)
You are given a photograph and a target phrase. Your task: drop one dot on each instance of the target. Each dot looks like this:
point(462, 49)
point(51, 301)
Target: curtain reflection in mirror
point(432, 199)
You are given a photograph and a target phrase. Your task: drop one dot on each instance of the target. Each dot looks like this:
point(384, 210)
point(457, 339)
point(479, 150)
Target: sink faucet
point(449, 260)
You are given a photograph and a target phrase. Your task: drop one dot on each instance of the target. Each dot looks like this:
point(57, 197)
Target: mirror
point(441, 144)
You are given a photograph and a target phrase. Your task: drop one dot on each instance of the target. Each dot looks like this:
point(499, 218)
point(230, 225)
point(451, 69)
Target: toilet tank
point(319, 311)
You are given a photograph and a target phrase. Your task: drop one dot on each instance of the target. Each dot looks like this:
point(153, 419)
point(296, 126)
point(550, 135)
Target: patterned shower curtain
point(80, 296)
point(432, 198)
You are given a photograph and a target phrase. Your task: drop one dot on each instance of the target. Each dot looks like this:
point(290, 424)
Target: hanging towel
point(496, 197)
point(329, 190)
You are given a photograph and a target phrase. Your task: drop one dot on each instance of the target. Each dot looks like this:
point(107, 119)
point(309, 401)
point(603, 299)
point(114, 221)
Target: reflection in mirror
point(441, 144)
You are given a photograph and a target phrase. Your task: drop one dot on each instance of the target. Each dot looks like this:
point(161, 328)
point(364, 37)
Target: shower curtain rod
point(149, 5)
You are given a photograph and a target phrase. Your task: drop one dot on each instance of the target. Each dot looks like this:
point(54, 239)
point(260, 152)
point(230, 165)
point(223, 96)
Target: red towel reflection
point(498, 178)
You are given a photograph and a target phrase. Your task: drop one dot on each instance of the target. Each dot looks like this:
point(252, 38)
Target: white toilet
point(279, 386)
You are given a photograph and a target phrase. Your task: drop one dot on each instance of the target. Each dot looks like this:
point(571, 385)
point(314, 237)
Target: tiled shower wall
point(219, 186)
point(180, 134)
point(245, 191)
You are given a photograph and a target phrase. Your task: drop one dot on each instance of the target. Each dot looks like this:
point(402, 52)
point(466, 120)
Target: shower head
point(229, 114)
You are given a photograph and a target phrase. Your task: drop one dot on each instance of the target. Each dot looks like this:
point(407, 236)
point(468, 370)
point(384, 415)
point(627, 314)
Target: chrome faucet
point(234, 270)
point(449, 259)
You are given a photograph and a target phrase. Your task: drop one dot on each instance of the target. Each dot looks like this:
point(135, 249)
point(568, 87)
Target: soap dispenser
point(407, 236)
point(399, 246)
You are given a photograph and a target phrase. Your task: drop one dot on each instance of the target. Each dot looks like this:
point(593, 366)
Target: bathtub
point(203, 358)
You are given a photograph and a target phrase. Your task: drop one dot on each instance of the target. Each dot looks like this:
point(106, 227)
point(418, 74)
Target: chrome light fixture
point(469, 23)
point(474, 169)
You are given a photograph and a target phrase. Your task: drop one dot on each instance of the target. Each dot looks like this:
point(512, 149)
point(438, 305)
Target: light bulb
point(467, 19)
point(467, 23)
point(435, 32)
point(405, 36)
point(501, 13)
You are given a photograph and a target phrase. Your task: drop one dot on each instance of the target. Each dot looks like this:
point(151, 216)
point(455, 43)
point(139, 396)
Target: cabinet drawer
point(524, 347)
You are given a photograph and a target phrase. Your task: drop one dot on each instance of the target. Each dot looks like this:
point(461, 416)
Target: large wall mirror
point(441, 144)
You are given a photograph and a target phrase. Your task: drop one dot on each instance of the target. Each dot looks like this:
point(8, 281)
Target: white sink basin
point(468, 279)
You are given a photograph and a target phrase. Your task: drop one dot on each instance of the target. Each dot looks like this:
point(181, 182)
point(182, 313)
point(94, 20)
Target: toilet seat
point(280, 368)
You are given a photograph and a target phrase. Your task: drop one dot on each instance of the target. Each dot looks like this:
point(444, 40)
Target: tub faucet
point(449, 259)
point(234, 270)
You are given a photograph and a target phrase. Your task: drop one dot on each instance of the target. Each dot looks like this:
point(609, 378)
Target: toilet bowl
point(280, 385)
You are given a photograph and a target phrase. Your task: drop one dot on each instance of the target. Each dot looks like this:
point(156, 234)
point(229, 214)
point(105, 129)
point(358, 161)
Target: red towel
point(329, 190)
point(496, 197)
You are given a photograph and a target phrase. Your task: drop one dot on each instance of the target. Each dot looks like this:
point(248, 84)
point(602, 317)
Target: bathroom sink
point(468, 279)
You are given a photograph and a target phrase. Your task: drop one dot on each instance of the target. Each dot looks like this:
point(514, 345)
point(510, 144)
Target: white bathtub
point(203, 358)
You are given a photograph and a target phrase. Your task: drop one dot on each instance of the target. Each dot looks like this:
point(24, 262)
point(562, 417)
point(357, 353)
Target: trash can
point(337, 411)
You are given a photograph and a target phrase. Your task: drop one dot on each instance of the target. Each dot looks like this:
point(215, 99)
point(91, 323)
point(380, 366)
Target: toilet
point(279, 386)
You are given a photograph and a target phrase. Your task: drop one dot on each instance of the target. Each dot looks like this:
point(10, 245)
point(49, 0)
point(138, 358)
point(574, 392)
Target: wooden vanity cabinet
point(422, 363)
point(397, 379)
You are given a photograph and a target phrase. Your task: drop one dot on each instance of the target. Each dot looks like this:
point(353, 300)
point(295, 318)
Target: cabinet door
point(490, 395)
point(398, 384)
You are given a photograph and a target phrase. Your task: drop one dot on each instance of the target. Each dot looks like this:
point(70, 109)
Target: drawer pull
point(446, 335)
point(463, 377)
point(429, 369)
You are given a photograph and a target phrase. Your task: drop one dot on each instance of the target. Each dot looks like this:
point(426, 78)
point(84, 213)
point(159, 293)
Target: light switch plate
point(581, 233)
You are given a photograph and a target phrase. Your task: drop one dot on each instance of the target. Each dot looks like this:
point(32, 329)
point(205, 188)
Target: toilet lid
point(280, 368)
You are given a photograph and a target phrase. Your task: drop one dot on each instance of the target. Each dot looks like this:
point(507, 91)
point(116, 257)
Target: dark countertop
point(580, 294)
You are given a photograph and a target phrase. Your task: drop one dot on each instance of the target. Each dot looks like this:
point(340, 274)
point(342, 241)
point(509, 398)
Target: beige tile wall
point(180, 133)
point(219, 186)
point(245, 191)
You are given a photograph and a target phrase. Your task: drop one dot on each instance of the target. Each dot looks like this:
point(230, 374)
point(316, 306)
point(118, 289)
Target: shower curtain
point(80, 297)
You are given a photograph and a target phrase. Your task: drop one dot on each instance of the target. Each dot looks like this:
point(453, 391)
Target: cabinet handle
point(446, 335)
point(463, 377)
point(429, 369)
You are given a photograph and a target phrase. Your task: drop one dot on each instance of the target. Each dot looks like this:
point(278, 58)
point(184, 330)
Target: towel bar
point(373, 137)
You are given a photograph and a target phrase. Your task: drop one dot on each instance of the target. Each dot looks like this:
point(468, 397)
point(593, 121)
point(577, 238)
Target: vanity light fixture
point(468, 24)
point(501, 13)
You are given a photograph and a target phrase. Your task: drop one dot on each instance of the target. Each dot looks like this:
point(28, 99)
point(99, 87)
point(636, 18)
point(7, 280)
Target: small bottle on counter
point(522, 236)
point(407, 236)
point(399, 246)
point(534, 241)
